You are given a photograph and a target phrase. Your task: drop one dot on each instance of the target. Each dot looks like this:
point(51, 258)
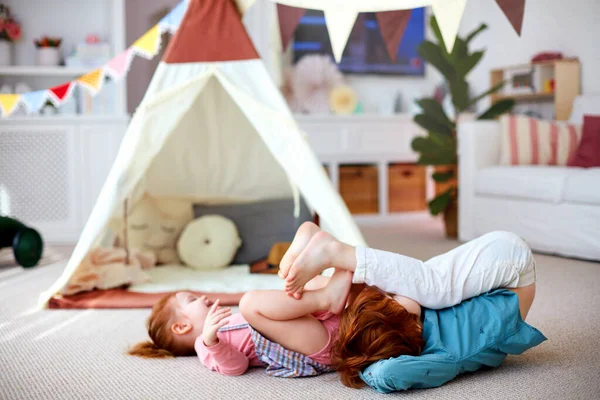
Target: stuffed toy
point(209, 242)
point(153, 226)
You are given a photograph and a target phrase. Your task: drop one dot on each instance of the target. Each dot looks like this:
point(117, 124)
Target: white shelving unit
point(52, 168)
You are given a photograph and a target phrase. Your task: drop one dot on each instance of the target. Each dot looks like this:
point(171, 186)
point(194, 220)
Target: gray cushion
point(260, 224)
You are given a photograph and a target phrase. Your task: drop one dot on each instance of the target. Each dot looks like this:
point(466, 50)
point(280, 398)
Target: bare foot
point(337, 290)
point(306, 231)
point(313, 260)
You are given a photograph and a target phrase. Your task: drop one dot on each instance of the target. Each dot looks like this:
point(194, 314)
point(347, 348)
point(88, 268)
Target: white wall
point(571, 27)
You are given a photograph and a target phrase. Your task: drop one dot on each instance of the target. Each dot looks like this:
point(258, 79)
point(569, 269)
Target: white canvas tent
point(213, 127)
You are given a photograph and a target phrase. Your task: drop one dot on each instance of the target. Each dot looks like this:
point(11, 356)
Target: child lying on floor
point(289, 337)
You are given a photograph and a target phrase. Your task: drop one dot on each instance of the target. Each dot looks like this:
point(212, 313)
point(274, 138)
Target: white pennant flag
point(448, 14)
point(339, 22)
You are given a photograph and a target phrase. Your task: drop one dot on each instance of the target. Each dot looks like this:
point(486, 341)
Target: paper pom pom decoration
point(313, 79)
point(343, 100)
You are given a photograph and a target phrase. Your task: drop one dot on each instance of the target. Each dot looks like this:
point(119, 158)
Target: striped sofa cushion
point(530, 141)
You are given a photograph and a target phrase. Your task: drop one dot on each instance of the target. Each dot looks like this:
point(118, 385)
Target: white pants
point(495, 260)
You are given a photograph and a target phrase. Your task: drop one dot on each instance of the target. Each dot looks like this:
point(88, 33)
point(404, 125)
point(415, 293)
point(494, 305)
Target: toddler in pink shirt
point(287, 336)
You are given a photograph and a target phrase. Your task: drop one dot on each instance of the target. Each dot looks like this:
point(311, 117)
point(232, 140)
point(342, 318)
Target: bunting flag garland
point(341, 14)
point(92, 81)
point(392, 25)
point(514, 10)
point(289, 18)
point(146, 46)
point(8, 102)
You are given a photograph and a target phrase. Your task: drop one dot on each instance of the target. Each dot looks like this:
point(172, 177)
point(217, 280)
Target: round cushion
point(209, 242)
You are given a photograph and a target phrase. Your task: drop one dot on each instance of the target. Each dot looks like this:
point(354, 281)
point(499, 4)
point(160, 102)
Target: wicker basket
point(407, 188)
point(359, 188)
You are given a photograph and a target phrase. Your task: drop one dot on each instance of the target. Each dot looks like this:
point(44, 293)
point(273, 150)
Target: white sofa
point(555, 209)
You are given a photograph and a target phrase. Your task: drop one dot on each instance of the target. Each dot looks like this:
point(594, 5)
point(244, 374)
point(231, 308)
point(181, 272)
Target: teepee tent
point(214, 128)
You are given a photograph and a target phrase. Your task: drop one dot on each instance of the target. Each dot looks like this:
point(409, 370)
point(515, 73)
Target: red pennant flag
point(392, 25)
point(514, 10)
point(289, 17)
point(59, 93)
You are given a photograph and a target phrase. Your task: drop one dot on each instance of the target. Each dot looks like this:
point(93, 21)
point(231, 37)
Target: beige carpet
point(80, 354)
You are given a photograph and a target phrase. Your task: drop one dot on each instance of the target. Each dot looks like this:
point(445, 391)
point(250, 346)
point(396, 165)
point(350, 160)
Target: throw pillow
point(209, 242)
point(261, 224)
point(529, 141)
point(588, 152)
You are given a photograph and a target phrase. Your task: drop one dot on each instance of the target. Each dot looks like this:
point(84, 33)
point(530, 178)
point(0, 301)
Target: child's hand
point(215, 319)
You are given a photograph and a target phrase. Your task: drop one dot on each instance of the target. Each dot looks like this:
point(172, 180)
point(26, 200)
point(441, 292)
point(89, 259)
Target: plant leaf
point(497, 109)
point(442, 177)
point(435, 28)
point(459, 90)
point(433, 54)
point(466, 65)
point(434, 110)
point(494, 89)
point(460, 51)
point(435, 149)
point(440, 202)
point(476, 32)
point(431, 125)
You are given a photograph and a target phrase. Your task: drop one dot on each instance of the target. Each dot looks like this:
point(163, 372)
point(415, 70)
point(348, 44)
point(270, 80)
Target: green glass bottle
point(27, 244)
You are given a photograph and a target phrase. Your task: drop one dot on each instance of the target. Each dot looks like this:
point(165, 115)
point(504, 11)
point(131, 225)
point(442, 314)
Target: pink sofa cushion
point(588, 152)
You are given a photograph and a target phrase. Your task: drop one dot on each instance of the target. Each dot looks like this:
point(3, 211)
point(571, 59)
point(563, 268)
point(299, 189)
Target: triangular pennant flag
point(392, 25)
point(289, 17)
point(339, 25)
point(148, 45)
point(514, 10)
point(448, 14)
point(118, 66)
point(59, 94)
point(34, 101)
point(92, 80)
point(8, 103)
point(171, 21)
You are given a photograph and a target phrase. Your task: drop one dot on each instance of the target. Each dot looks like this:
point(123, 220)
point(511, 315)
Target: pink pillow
point(588, 152)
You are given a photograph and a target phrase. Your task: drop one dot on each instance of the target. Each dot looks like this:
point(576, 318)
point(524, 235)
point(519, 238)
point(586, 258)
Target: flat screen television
point(365, 52)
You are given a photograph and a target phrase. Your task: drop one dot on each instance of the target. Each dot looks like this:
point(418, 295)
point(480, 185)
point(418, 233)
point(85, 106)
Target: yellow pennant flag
point(147, 46)
point(91, 80)
point(8, 103)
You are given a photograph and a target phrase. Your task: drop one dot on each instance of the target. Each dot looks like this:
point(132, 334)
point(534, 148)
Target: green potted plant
point(438, 148)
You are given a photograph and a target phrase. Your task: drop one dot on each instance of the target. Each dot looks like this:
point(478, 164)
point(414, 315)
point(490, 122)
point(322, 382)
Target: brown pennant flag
point(514, 10)
point(392, 25)
point(289, 17)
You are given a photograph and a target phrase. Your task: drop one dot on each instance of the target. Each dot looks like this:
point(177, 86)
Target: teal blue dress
point(479, 332)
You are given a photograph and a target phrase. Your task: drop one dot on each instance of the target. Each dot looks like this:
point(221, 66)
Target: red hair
point(374, 327)
point(163, 343)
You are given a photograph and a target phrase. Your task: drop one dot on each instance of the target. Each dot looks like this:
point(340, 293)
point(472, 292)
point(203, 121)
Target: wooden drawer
point(407, 188)
point(359, 188)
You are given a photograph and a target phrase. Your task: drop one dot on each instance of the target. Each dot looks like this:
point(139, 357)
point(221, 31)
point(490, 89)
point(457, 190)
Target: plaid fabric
point(284, 363)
